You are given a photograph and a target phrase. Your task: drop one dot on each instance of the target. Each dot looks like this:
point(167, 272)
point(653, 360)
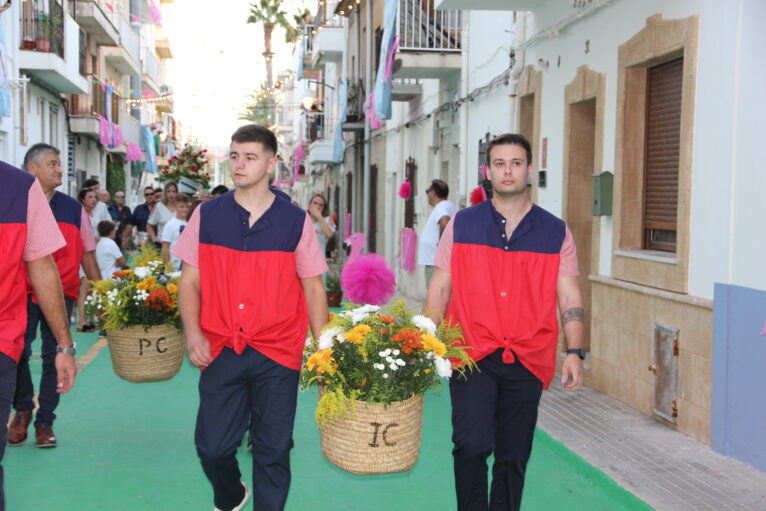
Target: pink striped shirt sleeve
point(568, 264)
point(309, 259)
point(86, 232)
point(187, 246)
point(43, 234)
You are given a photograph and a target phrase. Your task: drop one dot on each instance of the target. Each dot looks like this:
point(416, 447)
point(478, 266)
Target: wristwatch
point(577, 351)
point(72, 349)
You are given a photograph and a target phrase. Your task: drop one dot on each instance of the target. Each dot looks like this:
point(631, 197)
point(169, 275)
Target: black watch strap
point(577, 351)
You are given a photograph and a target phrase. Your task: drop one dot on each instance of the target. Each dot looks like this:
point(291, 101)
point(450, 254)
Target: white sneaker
point(241, 505)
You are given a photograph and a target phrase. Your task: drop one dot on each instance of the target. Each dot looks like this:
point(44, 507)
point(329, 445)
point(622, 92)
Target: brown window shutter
point(663, 135)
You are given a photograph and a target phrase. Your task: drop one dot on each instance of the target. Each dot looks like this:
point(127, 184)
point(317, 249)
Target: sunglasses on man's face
point(148, 194)
point(428, 190)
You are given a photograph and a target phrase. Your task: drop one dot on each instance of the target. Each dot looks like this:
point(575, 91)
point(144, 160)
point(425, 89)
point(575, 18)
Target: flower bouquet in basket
point(372, 367)
point(139, 310)
point(188, 168)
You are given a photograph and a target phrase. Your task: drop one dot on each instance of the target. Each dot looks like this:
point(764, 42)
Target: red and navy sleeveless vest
point(14, 196)
point(68, 214)
point(504, 291)
point(250, 292)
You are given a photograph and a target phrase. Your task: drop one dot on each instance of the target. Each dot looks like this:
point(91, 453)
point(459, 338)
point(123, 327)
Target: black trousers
point(7, 388)
point(48, 398)
point(233, 389)
point(493, 411)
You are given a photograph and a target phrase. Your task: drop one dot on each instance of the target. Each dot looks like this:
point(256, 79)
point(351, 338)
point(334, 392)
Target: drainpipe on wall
point(462, 191)
point(367, 142)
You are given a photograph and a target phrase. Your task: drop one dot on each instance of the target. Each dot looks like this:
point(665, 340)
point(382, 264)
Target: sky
point(217, 62)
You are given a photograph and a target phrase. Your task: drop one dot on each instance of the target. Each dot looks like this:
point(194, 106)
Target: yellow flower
point(431, 343)
point(426, 371)
point(356, 334)
point(322, 361)
point(172, 288)
point(147, 284)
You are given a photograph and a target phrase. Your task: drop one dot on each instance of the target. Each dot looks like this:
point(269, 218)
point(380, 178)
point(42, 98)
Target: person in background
point(443, 210)
point(30, 236)
point(108, 254)
point(141, 214)
point(101, 212)
point(105, 197)
point(121, 216)
point(157, 195)
point(205, 195)
point(87, 197)
point(43, 161)
point(323, 224)
point(219, 190)
point(164, 211)
point(173, 230)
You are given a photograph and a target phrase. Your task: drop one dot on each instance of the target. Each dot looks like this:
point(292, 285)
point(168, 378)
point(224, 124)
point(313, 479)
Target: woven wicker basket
point(377, 439)
point(141, 356)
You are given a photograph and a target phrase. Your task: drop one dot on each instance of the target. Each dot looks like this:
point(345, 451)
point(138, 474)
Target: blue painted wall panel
point(739, 374)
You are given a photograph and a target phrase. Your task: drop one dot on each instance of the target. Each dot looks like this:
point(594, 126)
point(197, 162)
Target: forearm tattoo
point(573, 314)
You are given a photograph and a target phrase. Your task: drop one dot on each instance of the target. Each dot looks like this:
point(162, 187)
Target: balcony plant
point(139, 310)
point(42, 32)
point(332, 285)
point(373, 366)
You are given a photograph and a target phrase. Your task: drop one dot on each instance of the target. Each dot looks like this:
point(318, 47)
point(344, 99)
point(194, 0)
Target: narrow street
point(129, 447)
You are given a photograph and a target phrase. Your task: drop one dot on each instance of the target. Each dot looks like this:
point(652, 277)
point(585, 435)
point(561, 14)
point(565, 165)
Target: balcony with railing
point(318, 132)
point(84, 110)
point(406, 89)
point(50, 49)
point(98, 20)
point(126, 56)
point(150, 69)
point(429, 40)
point(354, 106)
point(328, 40)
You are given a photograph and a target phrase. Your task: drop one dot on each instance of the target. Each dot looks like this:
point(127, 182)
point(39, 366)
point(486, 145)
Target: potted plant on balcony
point(332, 285)
point(42, 32)
point(188, 169)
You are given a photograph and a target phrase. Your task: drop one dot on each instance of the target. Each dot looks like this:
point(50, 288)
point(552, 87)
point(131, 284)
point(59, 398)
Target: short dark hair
point(256, 133)
point(510, 139)
point(90, 183)
point(219, 190)
point(105, 228)
point(440, 188)
point(36, 152)
point(149, 188)
point(158, 189)
point(83, 192)
point(183, 198)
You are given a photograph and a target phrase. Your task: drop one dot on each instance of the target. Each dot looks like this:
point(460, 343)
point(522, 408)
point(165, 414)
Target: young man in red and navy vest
point(250, 285)
point(30, 235)
point(43, 162)
point(502, 268)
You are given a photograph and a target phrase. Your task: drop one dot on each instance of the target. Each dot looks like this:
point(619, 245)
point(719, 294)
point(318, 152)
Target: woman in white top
point(163, 212)
point(88, 199)
point(323, 224)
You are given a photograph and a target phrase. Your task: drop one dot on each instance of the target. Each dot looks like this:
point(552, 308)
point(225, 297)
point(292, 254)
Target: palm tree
point(270, 14)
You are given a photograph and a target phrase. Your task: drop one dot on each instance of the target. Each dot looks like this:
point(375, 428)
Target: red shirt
point(504, 291)
point(251, 294)
point(28, 232)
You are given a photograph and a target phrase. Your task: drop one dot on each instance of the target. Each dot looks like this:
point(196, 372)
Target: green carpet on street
point(130, 447)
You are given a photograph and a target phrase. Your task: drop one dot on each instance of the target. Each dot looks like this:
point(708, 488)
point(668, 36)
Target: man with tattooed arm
point(502, 269)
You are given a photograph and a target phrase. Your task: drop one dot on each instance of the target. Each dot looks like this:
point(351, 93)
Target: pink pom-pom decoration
point(405, 191)
point(478, 195)
point(366, 279)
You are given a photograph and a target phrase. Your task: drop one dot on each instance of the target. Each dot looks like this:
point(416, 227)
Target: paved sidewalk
point(664, 468)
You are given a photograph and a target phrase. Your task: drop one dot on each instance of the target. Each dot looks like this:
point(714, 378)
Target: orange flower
point(387, 319)
point(159, 299)
point(322, 361)
point(411, 339)
point(147, 284)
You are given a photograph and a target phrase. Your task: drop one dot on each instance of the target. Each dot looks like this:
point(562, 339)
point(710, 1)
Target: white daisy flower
point(443, 366)
point(424, 323)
